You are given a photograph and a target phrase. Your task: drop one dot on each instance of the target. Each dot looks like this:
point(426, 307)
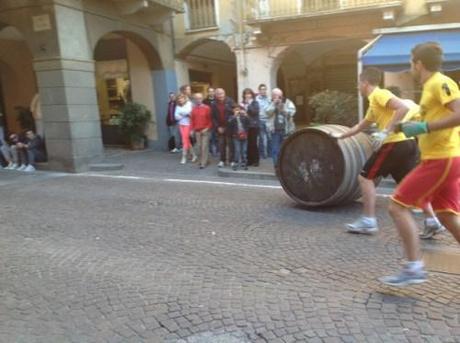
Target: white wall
point(402, 80)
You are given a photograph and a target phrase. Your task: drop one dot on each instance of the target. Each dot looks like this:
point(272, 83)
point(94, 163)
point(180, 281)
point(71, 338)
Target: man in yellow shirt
point(437, 178)
point(395, 154)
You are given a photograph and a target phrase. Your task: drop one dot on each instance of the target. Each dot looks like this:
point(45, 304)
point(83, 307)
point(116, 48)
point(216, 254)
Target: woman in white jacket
point(182, 115)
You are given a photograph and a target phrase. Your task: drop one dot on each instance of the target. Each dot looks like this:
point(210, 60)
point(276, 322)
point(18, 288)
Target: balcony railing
point(176, 5)
point(201, 14)
point(274, 9)
point(129, 7)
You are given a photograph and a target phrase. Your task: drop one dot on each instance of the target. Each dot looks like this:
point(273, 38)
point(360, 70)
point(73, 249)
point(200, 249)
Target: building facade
point(75, 62)
point(301, 46)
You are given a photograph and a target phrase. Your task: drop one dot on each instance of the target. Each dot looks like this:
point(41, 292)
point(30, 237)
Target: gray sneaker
point(430, 230)
point(363, 226)
point(405, 278)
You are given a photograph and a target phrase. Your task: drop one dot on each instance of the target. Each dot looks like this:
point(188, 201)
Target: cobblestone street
point(94, 258)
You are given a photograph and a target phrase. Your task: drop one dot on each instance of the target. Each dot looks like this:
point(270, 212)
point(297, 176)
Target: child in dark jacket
point(238, 126)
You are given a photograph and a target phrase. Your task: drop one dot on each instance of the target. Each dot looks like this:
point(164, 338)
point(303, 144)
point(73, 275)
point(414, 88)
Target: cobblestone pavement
point(100, 259)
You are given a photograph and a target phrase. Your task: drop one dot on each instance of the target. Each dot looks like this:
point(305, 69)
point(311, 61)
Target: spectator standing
point(238, 127)
point(187, 91)
point(222, 111)
point(436, 178)
point(171, 123)
point(264, 132)
point(280, 122)
point(201, 125)
point(251, 106)
point(214, 144)
point(182, 115)
point(210, 97)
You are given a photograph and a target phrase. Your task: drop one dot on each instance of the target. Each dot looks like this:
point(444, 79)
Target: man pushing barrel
point(394, 153)
point(436, 178)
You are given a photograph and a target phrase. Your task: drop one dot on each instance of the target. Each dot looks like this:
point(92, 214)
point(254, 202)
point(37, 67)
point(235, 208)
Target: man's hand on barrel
point(413, 128)
point(378, 138)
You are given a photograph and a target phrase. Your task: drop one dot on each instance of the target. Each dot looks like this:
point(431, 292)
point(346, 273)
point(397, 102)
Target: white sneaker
point(10, 166)
point(30, 168)
point(183, 160)
point(21, 167)
point(221, 164)
point(405, 278)
point(194, 158)
point(363, 225)
point(430, 229)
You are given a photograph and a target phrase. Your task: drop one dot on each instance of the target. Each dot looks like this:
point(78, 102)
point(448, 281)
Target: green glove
point(413, 128)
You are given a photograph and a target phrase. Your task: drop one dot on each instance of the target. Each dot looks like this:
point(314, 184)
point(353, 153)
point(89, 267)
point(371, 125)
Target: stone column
point(68, 96)
point(164, 81)
point(70, 113)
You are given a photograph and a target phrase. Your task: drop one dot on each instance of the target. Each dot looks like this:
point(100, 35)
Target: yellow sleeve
point(448, 91)
point(370, 116)
point(383, 97)
point(413, 114)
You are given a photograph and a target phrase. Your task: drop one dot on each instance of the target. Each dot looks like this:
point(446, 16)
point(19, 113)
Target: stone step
point(106, 166)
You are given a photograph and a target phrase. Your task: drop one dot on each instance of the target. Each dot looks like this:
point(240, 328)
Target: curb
point(106, 166)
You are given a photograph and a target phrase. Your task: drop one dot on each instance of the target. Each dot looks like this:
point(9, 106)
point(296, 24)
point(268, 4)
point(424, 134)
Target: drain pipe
point(244, 71)
point(361, 53)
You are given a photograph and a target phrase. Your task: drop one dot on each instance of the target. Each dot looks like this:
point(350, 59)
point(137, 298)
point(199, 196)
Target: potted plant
point(333, 107)
point(133, 120)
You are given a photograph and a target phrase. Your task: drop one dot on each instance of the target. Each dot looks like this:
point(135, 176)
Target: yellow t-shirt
point(438, 91)
point(380, 114)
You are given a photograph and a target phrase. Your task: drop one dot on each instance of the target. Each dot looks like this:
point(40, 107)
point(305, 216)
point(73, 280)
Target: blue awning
point(392, 52)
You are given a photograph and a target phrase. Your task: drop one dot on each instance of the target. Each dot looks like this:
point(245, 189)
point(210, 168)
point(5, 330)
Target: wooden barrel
point(318, 170)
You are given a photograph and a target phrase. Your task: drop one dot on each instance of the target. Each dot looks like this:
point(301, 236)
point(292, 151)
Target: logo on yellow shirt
point(446, 89)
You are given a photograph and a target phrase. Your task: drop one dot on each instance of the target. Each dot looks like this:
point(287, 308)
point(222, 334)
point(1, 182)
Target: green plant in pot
point(333, 107)
point(133, 121)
